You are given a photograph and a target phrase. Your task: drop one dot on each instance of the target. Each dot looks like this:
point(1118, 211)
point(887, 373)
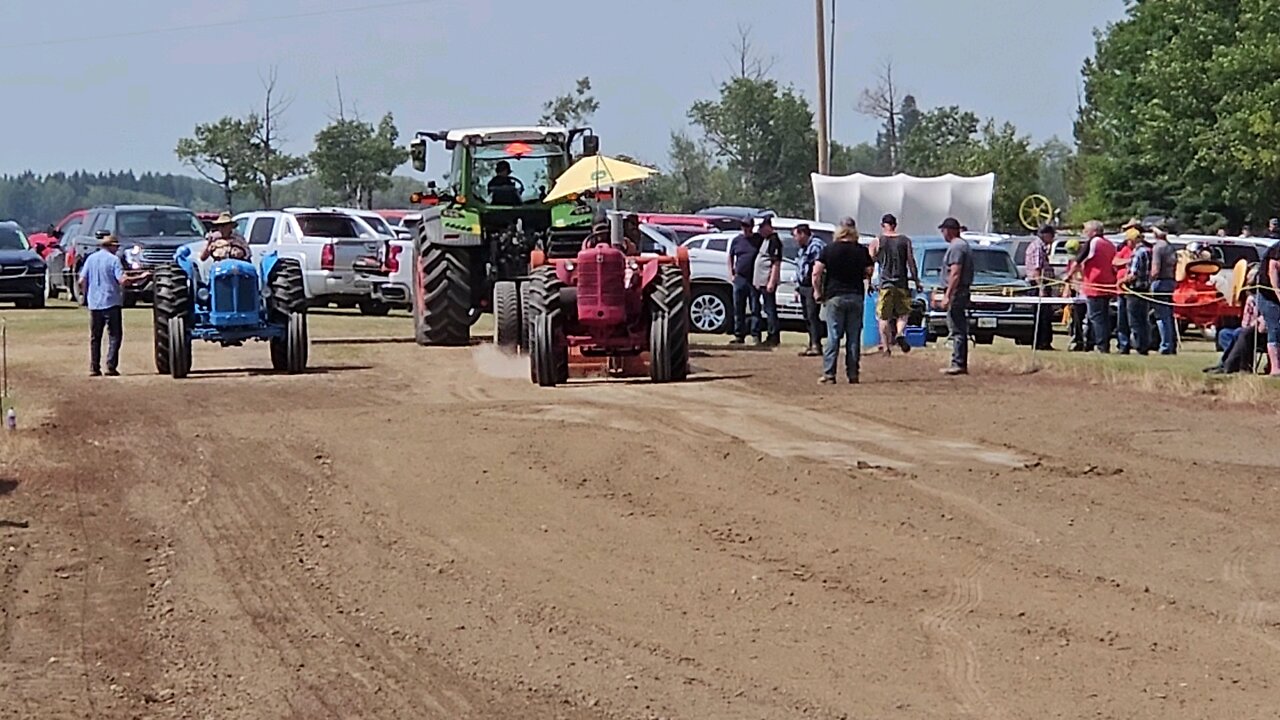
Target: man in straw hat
point(223, 242)
point(102, 280)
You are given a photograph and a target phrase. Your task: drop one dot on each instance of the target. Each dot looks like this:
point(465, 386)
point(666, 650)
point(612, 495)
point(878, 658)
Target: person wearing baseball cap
point(958, 262)
point(897, 262)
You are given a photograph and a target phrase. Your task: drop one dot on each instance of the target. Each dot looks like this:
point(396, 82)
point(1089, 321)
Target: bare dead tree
point(271, 164)
point(883, 102)
point(747, 63)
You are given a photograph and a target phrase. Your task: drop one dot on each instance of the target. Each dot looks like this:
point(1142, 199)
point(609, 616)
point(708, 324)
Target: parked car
point(994, 273)
point(22, 272)
point(149, 236)
point(686, 226)
point(327, 243)
point(53, 246)
point(711, 306)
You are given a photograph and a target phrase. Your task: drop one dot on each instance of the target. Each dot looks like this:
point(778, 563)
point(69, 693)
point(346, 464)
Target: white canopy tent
point(920, 204)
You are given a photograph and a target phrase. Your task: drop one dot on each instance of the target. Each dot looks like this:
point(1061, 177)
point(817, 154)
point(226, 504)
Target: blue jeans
point(746, 309)
point(767, 316)
point(1122, 323)
point(1100, 322)
point(844, 323)
point(1270, 312)
point(958, 330)
point(1138, 312)
point(111, 321)
point(1162, 292)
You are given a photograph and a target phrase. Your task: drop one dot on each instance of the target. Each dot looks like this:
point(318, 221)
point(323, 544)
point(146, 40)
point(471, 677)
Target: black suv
point(149, 236)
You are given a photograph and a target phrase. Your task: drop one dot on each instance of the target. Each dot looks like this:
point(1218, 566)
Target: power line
point(224, 24)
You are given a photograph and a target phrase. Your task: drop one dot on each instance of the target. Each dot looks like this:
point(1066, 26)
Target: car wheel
point(710, 310)
point(984, 338)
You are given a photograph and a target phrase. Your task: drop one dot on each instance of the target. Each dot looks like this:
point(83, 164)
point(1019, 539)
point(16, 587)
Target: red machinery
point(607, 309)
point(1199, 301)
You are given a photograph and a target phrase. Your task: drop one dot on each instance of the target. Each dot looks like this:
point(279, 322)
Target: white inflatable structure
point(920, 204)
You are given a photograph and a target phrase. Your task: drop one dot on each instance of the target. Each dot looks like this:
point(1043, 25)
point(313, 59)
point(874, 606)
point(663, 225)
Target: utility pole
point(824, 140)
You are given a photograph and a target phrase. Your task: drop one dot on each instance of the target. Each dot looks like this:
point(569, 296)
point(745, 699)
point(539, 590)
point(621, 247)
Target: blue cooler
point(870, 325)
point(916, 336)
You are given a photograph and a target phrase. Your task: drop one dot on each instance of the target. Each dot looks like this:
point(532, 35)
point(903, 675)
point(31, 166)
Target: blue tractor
point(235, 303)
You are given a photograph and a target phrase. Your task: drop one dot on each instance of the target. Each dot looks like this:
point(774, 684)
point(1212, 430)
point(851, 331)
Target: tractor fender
point(453, 238)
point(184, 260)
point(269, 261)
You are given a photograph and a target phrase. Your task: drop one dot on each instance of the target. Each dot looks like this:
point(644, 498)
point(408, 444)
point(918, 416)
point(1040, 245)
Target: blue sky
point(76, 98)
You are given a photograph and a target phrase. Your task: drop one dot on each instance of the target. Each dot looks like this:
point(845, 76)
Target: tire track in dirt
point(283, 610)
point(960, 664)
point(1251, 611)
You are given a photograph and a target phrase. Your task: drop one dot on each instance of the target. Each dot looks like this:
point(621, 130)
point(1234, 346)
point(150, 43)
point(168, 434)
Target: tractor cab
point(498, 178)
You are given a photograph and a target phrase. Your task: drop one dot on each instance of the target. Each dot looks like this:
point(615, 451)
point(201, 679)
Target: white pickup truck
point(326, 242)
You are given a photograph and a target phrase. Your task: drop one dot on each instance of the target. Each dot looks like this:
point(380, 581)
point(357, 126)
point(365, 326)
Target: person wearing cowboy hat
point(102, 280)
point(223, 242)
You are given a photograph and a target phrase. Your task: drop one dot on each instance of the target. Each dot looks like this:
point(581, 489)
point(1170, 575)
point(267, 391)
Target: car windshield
point(328, 226)
point(986, 261)
point(158, 223)
point(12, 238)
point(533, 165)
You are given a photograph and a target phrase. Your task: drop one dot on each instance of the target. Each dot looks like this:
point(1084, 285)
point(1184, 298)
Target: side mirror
point(100, 234)
point(418, 154)
point(590, 145)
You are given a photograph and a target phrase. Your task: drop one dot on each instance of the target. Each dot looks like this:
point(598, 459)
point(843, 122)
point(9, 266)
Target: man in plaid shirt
point(1039, 273)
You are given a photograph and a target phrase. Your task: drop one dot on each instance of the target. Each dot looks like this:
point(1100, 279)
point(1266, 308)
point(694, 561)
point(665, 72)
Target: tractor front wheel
point(549, 350)
point(171, 298)
point(507, 320)
point(442, 310)
point(179, 347)
point(297, 345)
point(668, 327)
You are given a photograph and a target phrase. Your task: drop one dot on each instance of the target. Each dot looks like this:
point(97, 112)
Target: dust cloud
point(491, 361)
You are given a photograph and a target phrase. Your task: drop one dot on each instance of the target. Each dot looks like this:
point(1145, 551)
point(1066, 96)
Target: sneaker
point(738, 341)
point(810, 352)
point(903, 345)
point(112, 372)
point(953, 371)
point(827, 380)
point(95, 373)
point(853, 380)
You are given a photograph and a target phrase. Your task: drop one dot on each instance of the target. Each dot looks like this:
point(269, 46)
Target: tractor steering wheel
point(519, 185)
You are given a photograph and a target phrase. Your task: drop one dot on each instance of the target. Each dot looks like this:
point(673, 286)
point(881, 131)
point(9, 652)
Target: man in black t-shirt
point(746, 301)
point(840, 279)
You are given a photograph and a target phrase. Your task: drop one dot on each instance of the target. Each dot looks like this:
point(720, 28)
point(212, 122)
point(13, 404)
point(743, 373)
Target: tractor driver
point(632, 238)
point(503, 188)
point(223, 242)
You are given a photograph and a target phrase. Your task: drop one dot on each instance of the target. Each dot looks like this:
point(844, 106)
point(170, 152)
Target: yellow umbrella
point(596, 172)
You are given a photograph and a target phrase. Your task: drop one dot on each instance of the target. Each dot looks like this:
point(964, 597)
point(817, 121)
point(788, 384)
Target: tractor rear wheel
point(296, 344)
point(668, 327)
point(507, 322)
point(549, 350)
point(179, 347)
point(442, 310)
point(171, 298)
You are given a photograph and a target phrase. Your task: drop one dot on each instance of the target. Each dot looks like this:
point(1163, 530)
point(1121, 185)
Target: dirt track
point(415, 533)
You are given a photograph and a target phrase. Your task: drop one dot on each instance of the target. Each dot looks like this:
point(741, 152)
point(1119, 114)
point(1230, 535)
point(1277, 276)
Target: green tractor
point(471, 251)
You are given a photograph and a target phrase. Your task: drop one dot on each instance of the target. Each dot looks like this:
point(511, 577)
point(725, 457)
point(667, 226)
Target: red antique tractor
point(606, 308)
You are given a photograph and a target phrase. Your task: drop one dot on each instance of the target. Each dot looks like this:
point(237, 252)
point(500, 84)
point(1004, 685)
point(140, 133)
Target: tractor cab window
point(158, 223)
point(516, 173)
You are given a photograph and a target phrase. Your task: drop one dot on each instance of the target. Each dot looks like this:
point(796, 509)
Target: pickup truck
point(327, 243)
point(994, 273)
point(149, 236)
